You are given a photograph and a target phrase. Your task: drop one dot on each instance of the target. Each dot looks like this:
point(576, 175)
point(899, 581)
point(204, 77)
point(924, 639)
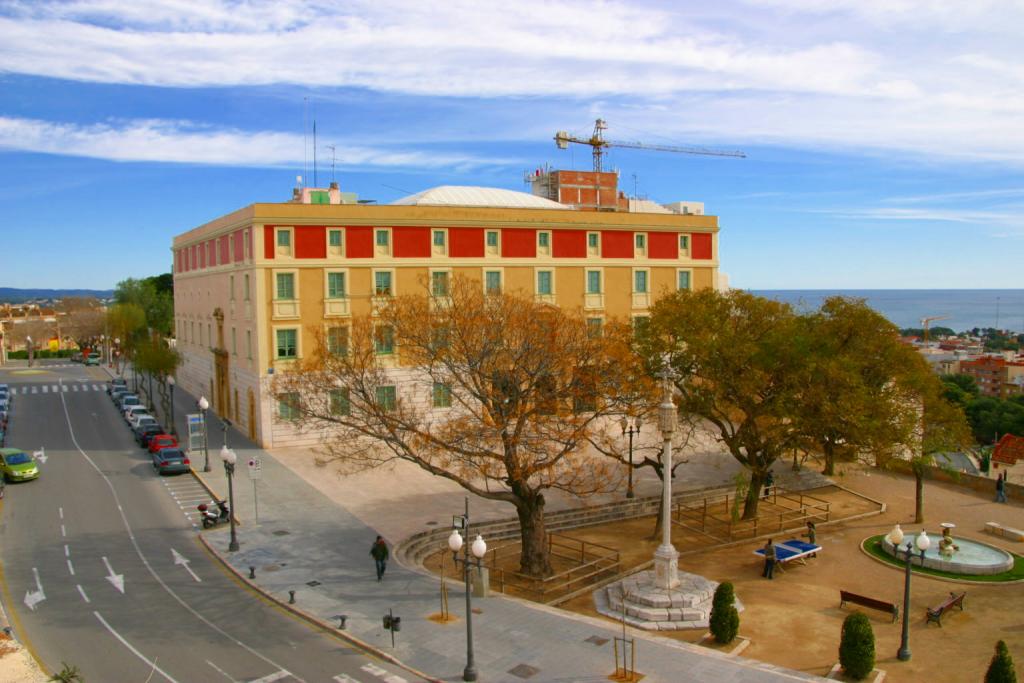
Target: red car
point(160, 441)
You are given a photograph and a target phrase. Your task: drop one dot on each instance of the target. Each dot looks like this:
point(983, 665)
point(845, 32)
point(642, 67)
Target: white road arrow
point(180, 559)
point(117, 580)
point(33, 598)
point(40, 455)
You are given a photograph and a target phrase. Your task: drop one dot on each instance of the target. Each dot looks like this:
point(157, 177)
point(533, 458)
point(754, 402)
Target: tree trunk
point(753, 494)
point(829, 451)
point(533, 558)
point(918, 496)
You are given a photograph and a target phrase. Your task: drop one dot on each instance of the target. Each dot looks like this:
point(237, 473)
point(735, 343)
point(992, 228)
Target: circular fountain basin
point(973, 557)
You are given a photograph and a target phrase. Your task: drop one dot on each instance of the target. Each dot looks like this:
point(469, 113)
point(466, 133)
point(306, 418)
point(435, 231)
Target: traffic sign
point(255, 467)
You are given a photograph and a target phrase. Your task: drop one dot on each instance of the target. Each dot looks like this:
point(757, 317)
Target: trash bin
point(481, 582)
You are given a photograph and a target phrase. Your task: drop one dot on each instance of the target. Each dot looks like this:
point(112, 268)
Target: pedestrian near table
point(769, 482)
point(812, 535)
point(379, 552)
point(769, 559)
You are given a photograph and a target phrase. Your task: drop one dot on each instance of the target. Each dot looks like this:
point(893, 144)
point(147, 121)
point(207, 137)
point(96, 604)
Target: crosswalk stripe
point(96, 387)
point(74, 387)
point(35, 390)
point(64, 387)
point(46, 388)
point(56, 388)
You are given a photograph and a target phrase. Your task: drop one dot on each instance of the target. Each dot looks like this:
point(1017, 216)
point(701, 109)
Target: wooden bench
point(935, 613)
point(847, 596)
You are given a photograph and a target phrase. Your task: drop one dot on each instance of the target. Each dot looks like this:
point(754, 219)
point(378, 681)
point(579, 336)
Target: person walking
point(769, 482)
point(1001, 487)
point(379, 552)
point(769, 560)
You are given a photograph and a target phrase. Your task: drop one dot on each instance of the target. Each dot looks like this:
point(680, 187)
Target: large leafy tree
point(851, 401)
point(527, 385)
point(739, 363)
point(155, 296)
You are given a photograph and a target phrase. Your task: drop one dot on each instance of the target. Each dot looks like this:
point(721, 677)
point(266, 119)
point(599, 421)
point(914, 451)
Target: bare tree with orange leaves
point(495, 392)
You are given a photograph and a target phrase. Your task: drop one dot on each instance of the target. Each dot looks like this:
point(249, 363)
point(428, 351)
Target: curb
point(313, 620)
point(209, 489)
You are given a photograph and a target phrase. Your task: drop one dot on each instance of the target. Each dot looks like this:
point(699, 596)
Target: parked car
point(77, 357)
point(159, 442)
point(17, 465)
point(115, 383)
point(116, 394)
point(146, 432)
point(134, 411)
point(92, 359)
point(170, 461)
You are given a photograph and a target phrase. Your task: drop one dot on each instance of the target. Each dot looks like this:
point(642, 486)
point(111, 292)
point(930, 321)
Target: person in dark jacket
point(1001, 488)
point(769, 559)
point(379, 552)
point(769, 482)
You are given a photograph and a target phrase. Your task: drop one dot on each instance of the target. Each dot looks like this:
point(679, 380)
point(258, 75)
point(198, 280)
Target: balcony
point(286, 308)
point(336, 308)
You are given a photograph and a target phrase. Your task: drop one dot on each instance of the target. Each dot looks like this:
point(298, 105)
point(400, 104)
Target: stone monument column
point(666, 558)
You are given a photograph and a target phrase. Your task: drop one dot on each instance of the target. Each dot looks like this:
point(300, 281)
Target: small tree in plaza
point(493, 391)
point(1000, 669)
point(857, 647)
point(725, 619)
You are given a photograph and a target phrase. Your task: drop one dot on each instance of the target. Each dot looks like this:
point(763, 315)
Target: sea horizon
point(962, 309)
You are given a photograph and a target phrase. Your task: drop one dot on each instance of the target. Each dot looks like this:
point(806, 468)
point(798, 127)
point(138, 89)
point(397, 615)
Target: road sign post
point(195, 431)
point(255, 469)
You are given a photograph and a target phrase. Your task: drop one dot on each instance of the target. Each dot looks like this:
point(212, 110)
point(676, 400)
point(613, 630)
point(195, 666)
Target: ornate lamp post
point(666, 558)
point(229, 458)
point(922, 543)
point(117, 353)
point(170, 387)
point(632, 429)
point(479, 548)
point(203, 405)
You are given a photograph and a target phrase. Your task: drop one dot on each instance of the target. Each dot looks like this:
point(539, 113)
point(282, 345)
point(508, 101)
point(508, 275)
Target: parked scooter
point(214, 517)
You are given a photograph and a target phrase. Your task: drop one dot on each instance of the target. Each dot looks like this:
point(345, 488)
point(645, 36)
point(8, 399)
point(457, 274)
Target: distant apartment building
point(254, 289)
point(993, 374)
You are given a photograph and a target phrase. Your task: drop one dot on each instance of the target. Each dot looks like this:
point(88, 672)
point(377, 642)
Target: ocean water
point(966, 308)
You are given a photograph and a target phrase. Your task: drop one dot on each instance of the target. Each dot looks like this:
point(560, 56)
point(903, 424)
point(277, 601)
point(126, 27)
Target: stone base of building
point(642, 604)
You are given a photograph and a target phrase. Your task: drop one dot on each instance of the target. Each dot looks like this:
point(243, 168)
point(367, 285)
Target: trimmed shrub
point(857, 647)
point(725, 620)
point(1000, 669)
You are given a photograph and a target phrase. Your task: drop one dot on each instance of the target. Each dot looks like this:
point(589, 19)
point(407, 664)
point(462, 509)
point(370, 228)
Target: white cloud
point(187, 142)
point(920, 76)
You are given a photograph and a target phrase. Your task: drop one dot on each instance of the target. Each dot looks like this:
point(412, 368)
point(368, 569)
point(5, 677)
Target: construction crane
point(597, 141)
point(925, 322)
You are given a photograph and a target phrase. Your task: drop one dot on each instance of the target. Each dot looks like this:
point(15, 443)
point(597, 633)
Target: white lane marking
point(116, 580)
point(61, 511)
point(183, 561)
point(33, 598)
point(46, 389)
point(63, 531)
point(74, 387)
point(345, 678)
point(56, 388)
point(276, 676)
point(382, 674)
point(67, 551)
point(145, 561)
point(82, 592)
point(35, 390)
point(152, 664)
point(64, 387)
point(40, 455)
point(222, 672)
point(71, 568)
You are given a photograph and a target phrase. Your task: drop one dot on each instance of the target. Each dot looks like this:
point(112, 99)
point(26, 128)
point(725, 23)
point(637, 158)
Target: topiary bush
point(857, 647)
point(725, 620)
point(1000, 669)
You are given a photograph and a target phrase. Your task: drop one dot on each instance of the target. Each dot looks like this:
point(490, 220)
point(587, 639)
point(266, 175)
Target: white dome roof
point(465, 195)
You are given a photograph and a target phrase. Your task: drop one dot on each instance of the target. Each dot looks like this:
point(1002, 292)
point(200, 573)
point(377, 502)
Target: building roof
point(1009, 450)
point(464, 195)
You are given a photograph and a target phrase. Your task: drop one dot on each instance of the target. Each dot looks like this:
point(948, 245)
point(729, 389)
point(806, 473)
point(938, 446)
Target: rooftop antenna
point(333, 159)
point(305, 138)
point(315, 183)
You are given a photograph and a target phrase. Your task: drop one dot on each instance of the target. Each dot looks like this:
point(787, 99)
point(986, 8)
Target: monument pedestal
point(643, 603)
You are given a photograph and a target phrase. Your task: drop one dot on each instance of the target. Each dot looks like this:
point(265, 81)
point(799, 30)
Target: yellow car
point(17, 465)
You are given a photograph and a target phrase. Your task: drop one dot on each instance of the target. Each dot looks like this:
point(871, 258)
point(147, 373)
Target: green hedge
point(857, 647)
point(42, 353)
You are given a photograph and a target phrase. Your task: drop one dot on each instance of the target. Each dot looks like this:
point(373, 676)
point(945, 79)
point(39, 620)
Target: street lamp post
point(28, 341)
point(203, 405)
point(479, 548)
point(666, 557)
point(117, 351)
point(229, 458)
point(630, 428)
point(922, 543)
point(170, 387)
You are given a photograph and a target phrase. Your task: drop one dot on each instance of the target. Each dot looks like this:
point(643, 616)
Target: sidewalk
point(303, 541)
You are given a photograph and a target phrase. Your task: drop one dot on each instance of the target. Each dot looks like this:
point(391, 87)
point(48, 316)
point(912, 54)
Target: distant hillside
point(13, 295)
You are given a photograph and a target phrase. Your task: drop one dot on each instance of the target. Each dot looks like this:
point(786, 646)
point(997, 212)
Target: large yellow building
point(252, 288)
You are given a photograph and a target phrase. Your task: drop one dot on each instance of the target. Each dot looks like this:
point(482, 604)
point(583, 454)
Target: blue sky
point(883, 137)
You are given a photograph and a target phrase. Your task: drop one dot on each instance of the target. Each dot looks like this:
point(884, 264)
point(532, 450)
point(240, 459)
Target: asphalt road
point(101, 567)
